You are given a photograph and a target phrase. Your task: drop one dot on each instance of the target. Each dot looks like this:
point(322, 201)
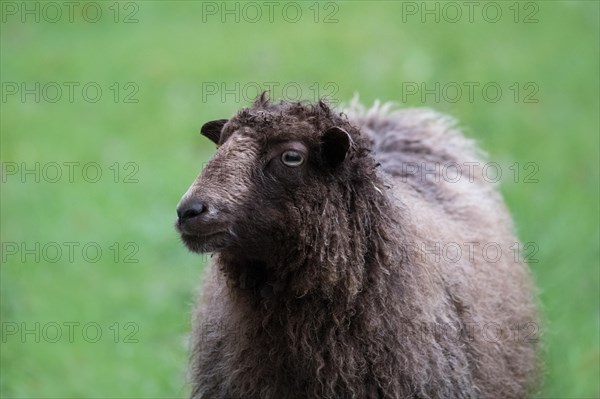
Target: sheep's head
point(275, 166)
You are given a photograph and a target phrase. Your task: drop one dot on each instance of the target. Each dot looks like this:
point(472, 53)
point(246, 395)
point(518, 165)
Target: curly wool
point(345, 304)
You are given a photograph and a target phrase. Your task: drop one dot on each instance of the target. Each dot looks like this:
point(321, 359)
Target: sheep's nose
point(190, 209)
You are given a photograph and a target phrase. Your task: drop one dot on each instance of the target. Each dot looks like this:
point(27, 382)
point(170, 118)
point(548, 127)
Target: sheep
point(324, 279)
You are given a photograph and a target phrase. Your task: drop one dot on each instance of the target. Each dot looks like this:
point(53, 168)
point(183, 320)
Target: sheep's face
point(256, 191)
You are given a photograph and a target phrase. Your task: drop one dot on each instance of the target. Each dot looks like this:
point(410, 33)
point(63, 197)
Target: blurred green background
point(144, 77)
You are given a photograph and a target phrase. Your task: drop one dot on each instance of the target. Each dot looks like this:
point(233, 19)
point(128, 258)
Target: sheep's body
point(369, 296)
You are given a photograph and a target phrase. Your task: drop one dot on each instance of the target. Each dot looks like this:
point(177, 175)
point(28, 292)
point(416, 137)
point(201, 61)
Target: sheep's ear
point(334, 145)
point(212, 129)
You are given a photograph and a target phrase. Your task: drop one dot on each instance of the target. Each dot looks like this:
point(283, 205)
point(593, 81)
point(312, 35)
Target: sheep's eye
point(292, 158)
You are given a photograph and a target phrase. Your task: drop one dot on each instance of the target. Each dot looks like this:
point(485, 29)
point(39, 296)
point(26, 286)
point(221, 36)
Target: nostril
point(191, 210)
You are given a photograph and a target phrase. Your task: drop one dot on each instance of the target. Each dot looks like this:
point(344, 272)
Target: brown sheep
point(337, 269)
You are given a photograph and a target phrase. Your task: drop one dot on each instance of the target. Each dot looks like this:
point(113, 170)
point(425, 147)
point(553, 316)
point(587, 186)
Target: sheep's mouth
point(208, 242)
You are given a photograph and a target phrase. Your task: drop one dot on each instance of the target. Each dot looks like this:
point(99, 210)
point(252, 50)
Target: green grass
point(168, 54)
